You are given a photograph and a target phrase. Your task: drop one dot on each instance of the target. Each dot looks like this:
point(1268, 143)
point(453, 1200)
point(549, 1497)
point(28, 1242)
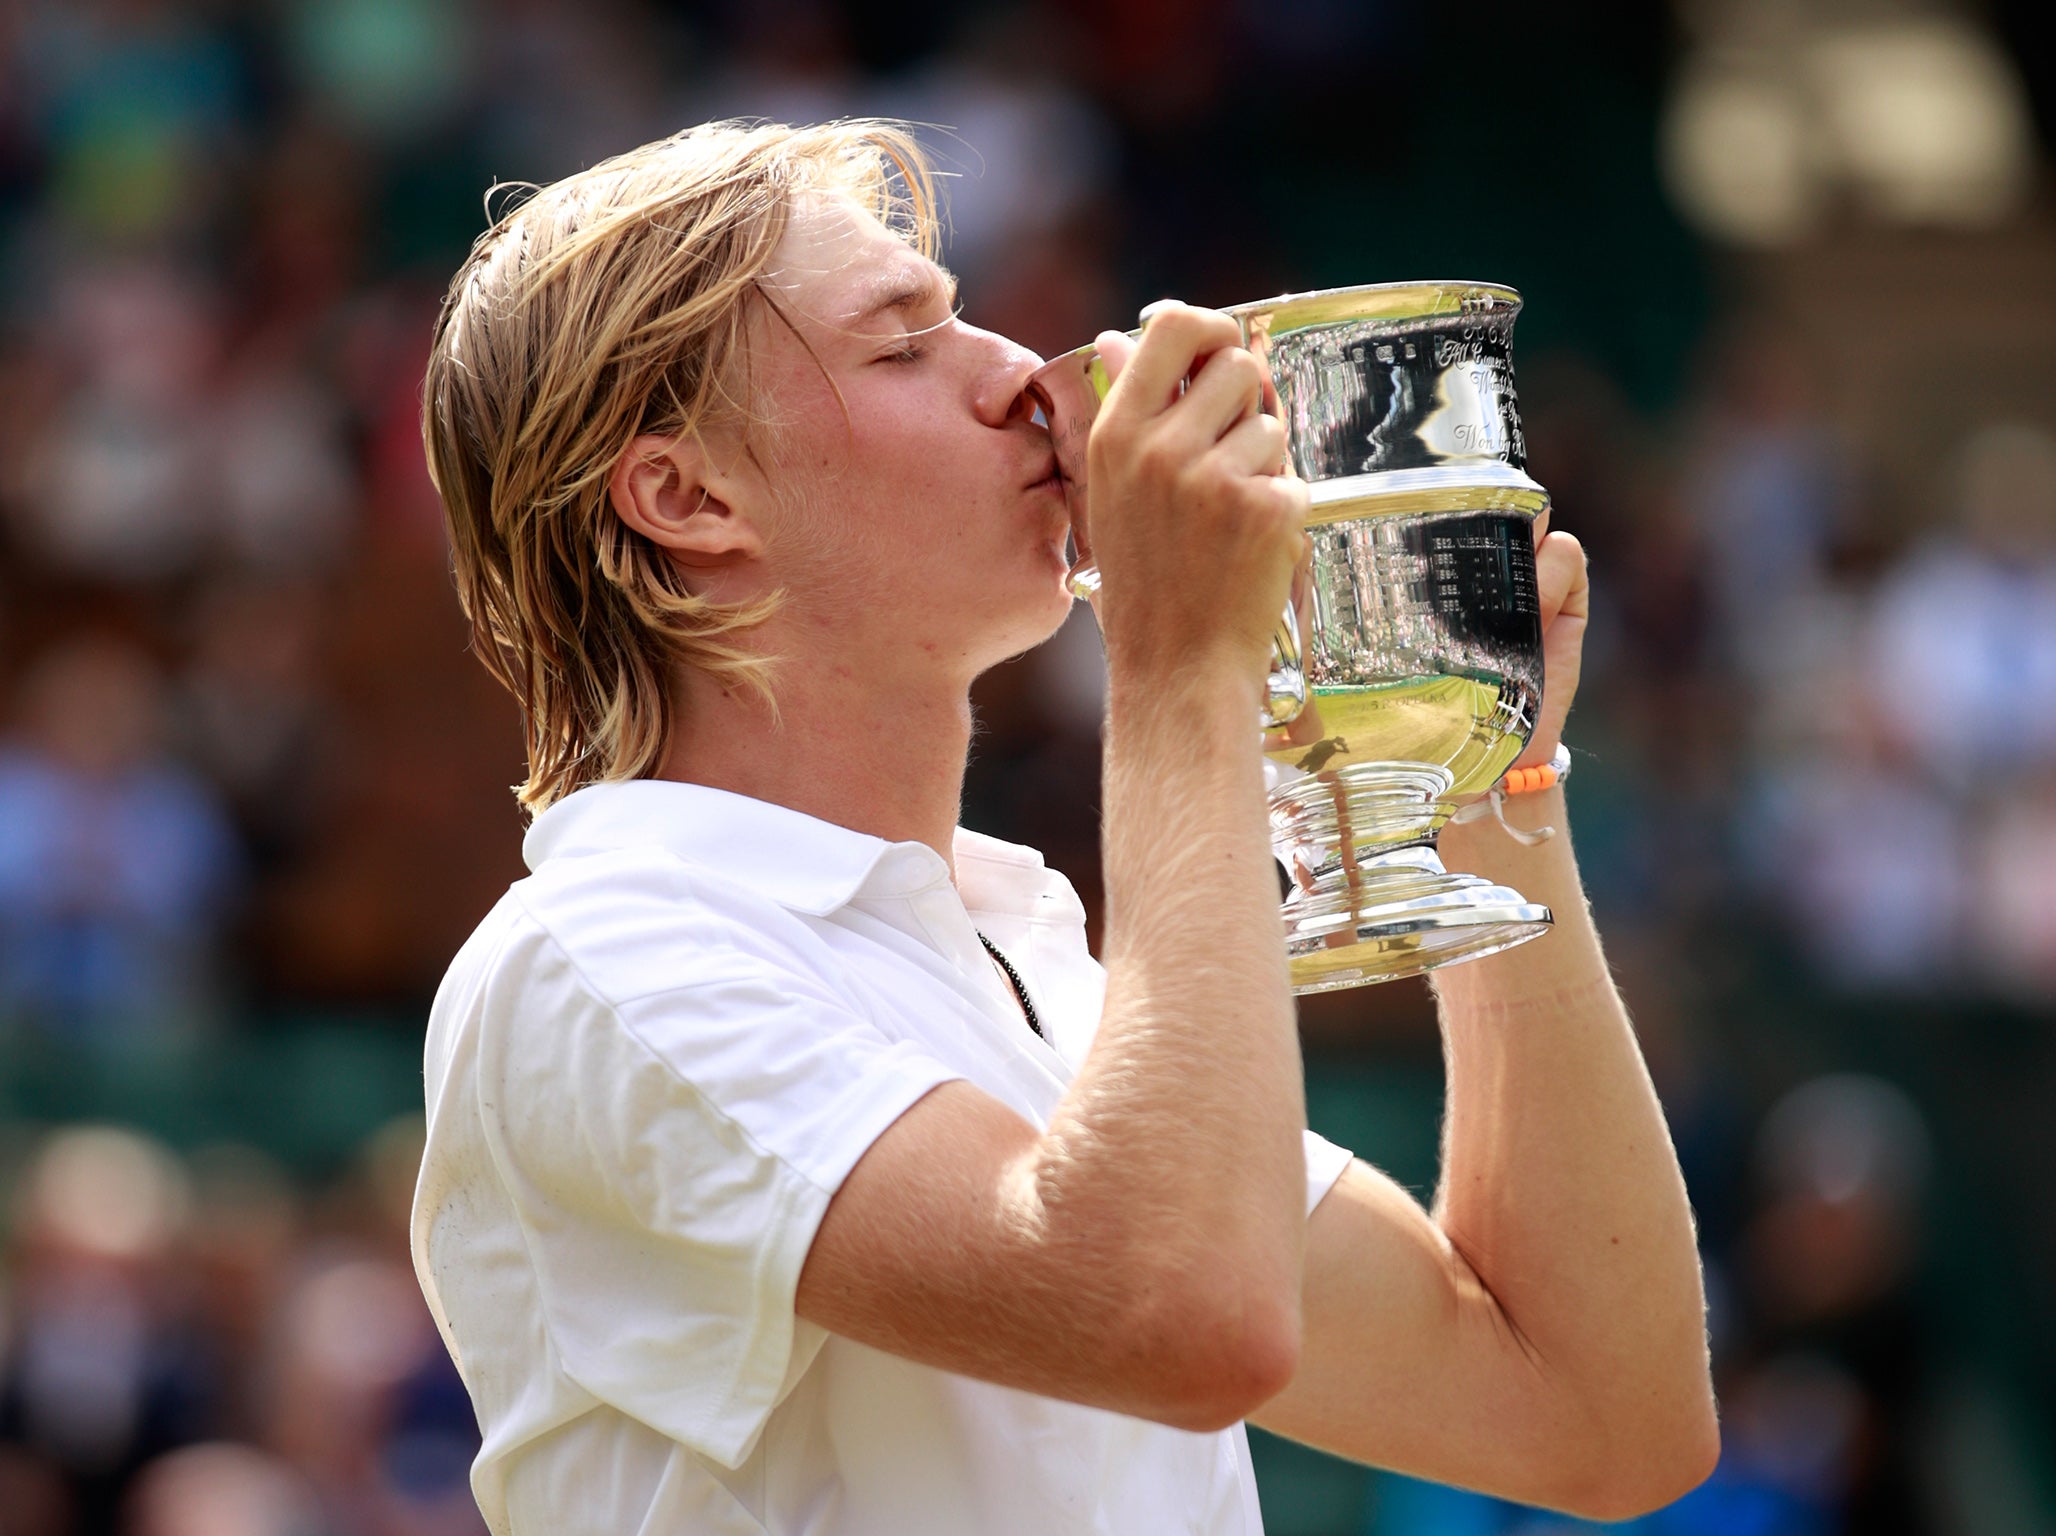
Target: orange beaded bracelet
point(1519, 781)
point(1528, 781)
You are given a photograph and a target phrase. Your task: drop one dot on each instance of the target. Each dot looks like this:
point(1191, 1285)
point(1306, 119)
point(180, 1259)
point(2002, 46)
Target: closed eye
point(912, 348)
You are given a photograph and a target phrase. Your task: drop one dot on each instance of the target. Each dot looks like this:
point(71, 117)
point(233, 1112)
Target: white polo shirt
point(647, 1073)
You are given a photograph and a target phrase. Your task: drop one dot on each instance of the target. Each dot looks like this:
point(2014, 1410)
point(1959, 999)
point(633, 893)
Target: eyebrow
point(908, 288)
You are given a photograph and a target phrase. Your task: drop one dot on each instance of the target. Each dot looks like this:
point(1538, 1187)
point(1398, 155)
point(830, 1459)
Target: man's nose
point(1002, 396)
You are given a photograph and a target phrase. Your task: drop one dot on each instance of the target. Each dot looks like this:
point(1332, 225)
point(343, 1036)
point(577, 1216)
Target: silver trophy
point(1420, 671)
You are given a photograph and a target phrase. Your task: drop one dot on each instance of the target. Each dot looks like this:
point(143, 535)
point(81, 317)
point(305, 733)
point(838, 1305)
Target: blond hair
point(610, 304)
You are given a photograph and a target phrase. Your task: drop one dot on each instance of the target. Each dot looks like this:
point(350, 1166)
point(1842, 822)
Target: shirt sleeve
point(670, 1157)
point(1324, 1164)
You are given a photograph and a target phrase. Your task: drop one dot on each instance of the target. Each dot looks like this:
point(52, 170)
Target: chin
point(1021, 624)
point(1062, 600)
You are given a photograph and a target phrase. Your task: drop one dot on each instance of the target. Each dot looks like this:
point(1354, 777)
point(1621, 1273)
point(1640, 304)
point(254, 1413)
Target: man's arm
point(1143, 1253)
point(1541, 1334)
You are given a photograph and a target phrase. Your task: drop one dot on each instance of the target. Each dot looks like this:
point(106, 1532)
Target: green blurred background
point(1789, 369)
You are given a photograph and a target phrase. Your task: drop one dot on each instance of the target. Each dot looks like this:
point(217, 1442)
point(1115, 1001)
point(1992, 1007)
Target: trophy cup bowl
point(1418, 634)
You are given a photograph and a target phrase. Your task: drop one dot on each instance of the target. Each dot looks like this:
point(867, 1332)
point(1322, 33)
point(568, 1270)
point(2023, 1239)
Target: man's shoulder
point(627, 923)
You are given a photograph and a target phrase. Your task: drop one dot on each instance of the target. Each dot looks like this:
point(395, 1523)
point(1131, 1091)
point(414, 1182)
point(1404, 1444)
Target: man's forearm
point(1560, 1186)
point(1182, 1130)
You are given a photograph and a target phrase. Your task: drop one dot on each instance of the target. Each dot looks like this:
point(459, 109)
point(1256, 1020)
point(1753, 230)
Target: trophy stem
point(1371, 901)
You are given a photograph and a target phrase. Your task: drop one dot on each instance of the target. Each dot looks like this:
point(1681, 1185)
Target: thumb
point(1115, 348)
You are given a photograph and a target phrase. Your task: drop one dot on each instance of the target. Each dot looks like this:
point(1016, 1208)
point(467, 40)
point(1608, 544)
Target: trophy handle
point(1285, 687)
point(1068, 391)
point(1284, 684)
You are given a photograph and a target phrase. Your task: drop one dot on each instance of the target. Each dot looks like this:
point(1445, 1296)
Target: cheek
point(911, 492)
point(845, 539)
point(901, 494)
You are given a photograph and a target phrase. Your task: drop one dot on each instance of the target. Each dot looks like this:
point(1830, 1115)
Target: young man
point(752, 1202)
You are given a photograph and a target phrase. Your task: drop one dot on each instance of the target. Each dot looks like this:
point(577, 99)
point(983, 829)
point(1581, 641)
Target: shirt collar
point(799, 861)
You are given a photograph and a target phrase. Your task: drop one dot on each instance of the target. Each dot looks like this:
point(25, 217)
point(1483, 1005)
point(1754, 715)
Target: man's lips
point(1048, 480)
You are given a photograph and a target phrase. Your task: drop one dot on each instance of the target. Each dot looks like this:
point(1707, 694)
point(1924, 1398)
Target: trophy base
point(1371, 901)
point(1402, 914)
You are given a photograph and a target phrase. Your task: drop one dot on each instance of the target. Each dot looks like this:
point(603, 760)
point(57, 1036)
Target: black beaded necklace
point(1020, 990)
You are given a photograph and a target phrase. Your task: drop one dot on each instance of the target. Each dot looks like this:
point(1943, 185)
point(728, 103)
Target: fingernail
point(1152, 307)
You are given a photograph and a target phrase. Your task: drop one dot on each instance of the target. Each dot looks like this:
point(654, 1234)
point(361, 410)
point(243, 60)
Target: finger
point(1542, 525)
point(1291, 498)
point(1254, 446)
point(1175, 338)
point(1114, 348)
point(1561, 581)
point(1227, 388)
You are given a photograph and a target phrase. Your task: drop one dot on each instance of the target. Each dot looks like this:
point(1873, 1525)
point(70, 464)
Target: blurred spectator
point(288, 487)
point(1769, 486)
point(165, 453)
point(788, 61)
point(136, 107)
point(1963, 630)
point(2012, 896)
point(220, 1489)
point(123, 488)
point(1026, 151)
point(241, 1241)
point(116, 866)
point(389, 70)
point(573, 82)
point(33, 1493)
point(1829, 1409)
point(189, 1349)
point(381, 370)
point(1859, 854)
point(351, 1331)
point(359, 1393)
point(1899, 719)
point(250, 714)
point(101, 1375)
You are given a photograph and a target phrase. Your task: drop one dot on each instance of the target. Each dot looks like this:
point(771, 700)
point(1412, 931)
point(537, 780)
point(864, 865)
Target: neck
point(878, 760)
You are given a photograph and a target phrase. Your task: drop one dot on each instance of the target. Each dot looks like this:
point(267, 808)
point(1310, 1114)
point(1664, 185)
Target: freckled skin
point(898, 496)
point(917, 541)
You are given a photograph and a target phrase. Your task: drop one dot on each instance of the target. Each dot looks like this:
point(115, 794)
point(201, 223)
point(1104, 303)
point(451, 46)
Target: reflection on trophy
point(1421, 668)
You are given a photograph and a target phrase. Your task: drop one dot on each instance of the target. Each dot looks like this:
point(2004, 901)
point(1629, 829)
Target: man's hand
point(1195, 531)
point(1564, 593)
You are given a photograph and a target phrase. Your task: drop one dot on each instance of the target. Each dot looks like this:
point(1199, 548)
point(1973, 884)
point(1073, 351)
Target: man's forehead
point(913, 282)
point(840, 264)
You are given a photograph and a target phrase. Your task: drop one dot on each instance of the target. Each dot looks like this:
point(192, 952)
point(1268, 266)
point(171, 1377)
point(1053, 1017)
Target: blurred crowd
point(248, 773)
point(197, 1347)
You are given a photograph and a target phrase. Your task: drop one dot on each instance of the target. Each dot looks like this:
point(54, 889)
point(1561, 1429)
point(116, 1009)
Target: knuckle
point(1237, 367)
point(1277, 504)
point(1114, 431)
point(1199, 326)
point(1158, 457)
point(1174, 321)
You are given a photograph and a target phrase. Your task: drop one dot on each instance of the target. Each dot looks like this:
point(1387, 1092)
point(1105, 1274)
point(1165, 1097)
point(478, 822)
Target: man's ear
point(670, 490)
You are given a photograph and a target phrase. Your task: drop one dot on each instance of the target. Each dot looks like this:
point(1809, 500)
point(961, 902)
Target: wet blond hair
point(614, 303)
